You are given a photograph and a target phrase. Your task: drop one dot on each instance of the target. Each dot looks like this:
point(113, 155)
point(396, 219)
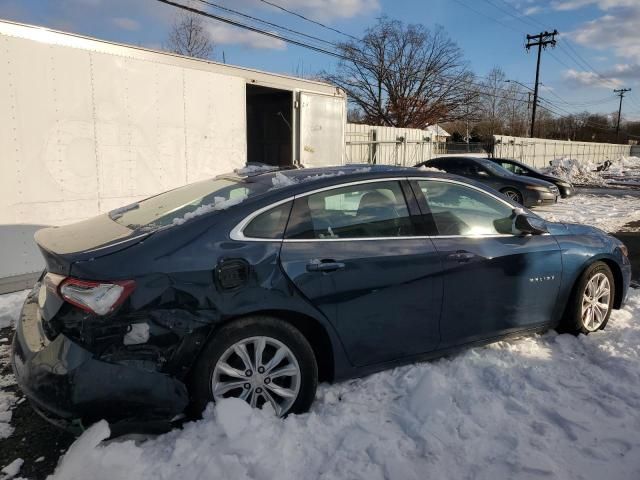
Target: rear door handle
point(324, 266)
point(461, 256)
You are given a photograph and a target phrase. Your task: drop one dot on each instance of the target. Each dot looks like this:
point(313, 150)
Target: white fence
point(388, 145)
point(539, 152)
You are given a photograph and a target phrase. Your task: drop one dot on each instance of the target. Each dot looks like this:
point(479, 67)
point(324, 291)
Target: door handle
point(324, 266)
point(461, 256)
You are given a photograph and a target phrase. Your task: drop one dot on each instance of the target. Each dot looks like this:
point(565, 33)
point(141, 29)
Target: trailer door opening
point(269, 126)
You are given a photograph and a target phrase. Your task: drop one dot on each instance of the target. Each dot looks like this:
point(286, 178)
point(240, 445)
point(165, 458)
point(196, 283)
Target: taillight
point(95, 297)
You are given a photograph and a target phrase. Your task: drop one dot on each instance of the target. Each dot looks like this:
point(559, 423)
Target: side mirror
point(524, 223)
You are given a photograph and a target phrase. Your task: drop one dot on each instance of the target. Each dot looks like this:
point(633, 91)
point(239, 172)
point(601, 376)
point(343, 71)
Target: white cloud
point(228, 35)
point(532, 11)
point(591, 79)
point(617, 31)
point(126, 23)
point(564, 5)
point(331, 9)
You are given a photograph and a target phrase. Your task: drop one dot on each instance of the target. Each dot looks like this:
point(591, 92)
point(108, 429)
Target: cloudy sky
point(598, 50)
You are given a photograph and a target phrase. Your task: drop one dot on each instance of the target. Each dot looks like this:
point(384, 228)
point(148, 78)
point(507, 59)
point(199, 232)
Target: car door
point(357, 254)
point(495, 282)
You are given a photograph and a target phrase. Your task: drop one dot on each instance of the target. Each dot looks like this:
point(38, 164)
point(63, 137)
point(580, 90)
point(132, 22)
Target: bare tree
point(188, 36)
point(503, 106)
point(403, 75)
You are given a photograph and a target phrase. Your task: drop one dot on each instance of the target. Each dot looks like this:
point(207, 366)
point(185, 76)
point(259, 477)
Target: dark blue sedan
point(260, 284)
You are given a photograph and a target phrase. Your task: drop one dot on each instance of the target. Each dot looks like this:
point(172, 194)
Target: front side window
point(360, 211)
point(461, 210)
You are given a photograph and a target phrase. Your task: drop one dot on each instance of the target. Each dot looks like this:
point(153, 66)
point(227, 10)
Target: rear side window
point(359, 211)
point(270, 224)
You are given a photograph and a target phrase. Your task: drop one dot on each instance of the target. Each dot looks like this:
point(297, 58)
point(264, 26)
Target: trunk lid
point(92, 238)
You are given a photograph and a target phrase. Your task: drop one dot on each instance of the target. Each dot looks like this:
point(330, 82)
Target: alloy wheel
point(513, 195)
point(258, 370)
point(595, 302)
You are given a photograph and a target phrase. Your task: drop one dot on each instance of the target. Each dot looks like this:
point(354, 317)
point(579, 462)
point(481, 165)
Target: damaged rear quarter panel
point(181, 301)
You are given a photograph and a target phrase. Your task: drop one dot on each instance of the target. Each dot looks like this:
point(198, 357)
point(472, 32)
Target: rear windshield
point(177, 206)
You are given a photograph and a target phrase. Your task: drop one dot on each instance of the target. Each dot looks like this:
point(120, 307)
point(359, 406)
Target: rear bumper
point(71, 388)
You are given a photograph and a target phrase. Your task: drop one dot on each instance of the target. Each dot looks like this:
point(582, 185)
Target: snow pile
point(12, 469)
point(281, 180)
point(362, 170)
point(322, 176)
point(606, 212)
point(424, 168)
point(624, 165)
point(254, 170)
point(554, 406)
point(7, 400)
point(10, 306)
point(219, 203)
point(575, 171)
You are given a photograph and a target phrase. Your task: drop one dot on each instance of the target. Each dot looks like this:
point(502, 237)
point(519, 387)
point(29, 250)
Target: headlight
point(537, 188)
point(623, 248)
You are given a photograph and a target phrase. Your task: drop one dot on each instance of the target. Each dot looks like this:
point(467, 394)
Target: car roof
point(510, 160)
point(314, 175)
point(287, 182)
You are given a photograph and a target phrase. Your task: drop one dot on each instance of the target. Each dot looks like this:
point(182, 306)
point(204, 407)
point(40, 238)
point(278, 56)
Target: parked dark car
point(260, 286)
point(526, 191)
point(519, 168)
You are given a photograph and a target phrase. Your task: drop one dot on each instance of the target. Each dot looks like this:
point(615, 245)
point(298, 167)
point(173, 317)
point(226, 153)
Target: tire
point(288, 393)
point(513, 194)
point(578, 318)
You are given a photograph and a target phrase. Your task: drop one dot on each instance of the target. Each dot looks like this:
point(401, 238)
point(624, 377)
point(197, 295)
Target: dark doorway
point(269, 126)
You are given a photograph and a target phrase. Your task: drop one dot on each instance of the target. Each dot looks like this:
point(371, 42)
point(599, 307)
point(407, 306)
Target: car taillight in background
point(97, 297)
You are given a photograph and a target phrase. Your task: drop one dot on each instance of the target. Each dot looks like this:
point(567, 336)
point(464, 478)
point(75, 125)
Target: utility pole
point(541, 41)
point(620, 93)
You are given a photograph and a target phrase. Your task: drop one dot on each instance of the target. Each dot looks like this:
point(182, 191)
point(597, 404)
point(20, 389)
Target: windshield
point(177, 206)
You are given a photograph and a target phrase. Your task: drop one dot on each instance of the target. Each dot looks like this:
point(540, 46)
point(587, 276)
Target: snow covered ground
point(607, 212)
point(546, 406)
point(549, 406)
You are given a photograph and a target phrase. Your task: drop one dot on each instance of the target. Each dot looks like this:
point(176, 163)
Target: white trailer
point(89, 125)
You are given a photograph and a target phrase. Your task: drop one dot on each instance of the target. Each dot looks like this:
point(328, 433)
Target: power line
point(479, 89)
point(254, 29)
point(265, 22)
point(570, 51)
point(291, 12)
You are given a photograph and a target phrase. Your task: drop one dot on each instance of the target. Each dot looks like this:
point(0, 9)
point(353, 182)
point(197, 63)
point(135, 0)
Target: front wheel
point(260, 360)
point(590, 306)
point(513, 195)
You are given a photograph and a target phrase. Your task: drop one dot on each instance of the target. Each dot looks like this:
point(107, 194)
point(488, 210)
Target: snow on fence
point(388, 145)
point(539, 152)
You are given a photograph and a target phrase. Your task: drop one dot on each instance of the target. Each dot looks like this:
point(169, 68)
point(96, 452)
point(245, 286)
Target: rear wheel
point(590, 306)
point(513, 195)
point(260, 360)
